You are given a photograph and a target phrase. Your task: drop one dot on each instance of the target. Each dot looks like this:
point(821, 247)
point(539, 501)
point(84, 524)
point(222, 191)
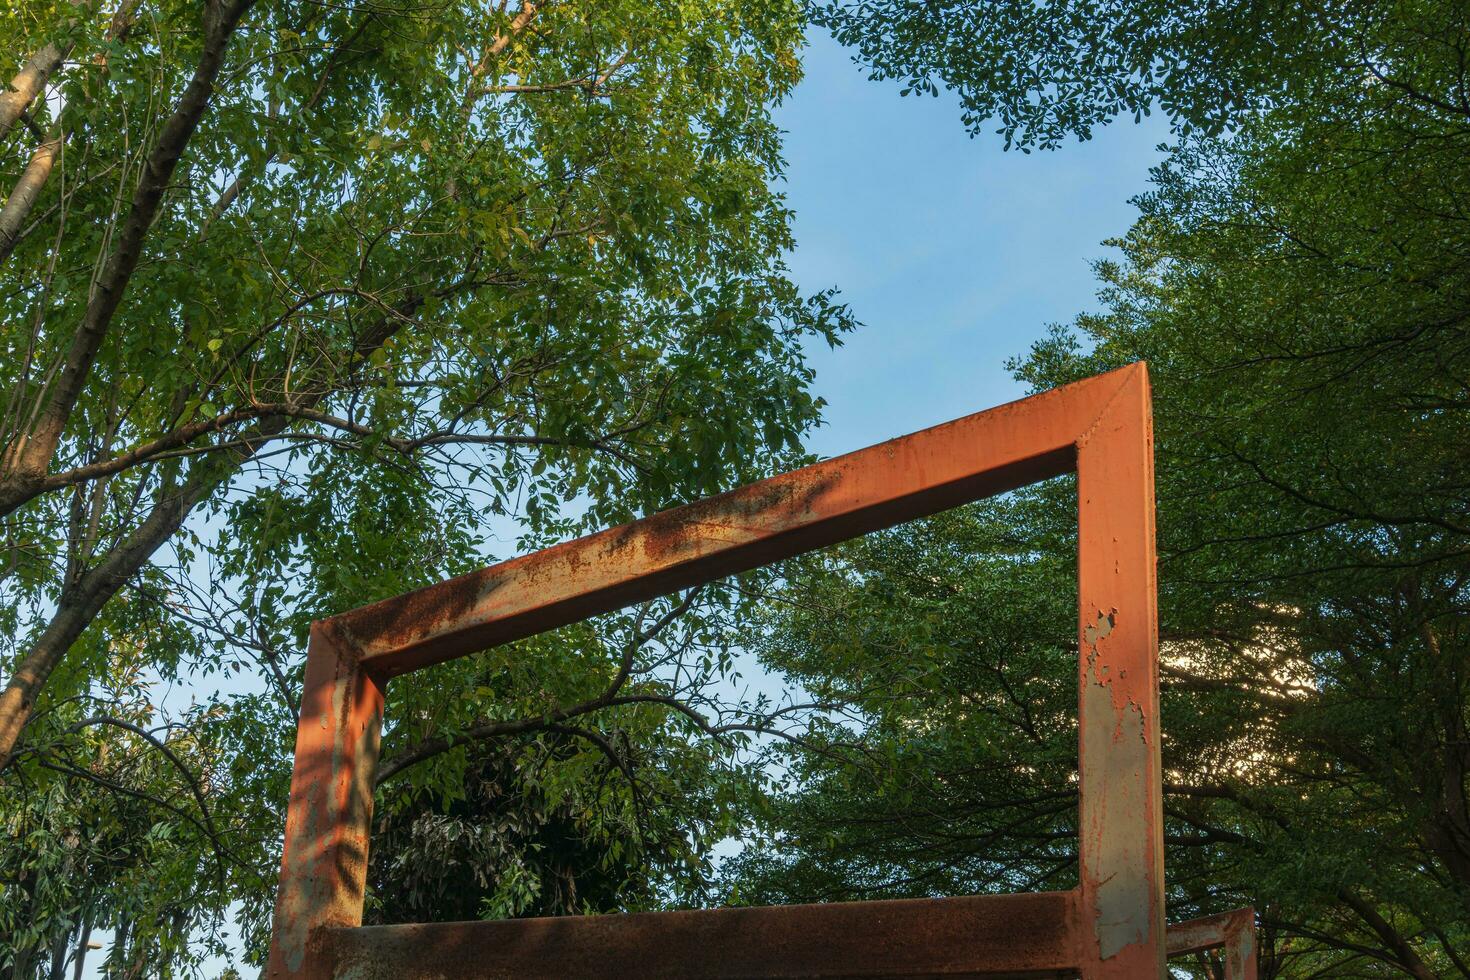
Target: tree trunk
point(27, 458)
point(80, 603)
point(82, 941)
point(27, 83)
point(58, 956)
point(27, 190)
point(118, 959)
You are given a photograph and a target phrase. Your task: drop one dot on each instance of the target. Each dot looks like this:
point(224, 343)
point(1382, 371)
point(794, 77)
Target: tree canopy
point(308, 304)
point(1045, 70)
point(1299, 288)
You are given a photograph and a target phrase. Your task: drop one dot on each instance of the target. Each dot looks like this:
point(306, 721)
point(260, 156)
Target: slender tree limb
point(429, 748)
point(189, 778)
point(112, 785)
point(614, 757)
point(593, 85)
point(1389, 936)
point(18, 206)
point(30, 123)
point(173, 445)
point(1302, 497)
point(27, 84)
point(79, 960)
point(24, 195)
point(521, 21)
point(79, 603)
point(232, 192)
point(25, 460)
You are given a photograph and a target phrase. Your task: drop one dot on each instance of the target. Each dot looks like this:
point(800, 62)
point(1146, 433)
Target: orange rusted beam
point(896, 481)
point(1234, 932)
point(1028, 935)
point(1101, 427)
point(1120, 796)
point(329, 812)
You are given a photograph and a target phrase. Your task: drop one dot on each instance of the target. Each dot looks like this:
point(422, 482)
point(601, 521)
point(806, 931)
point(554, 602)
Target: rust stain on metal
point(910, 477)
point(1120, 790)
point(1111, 927)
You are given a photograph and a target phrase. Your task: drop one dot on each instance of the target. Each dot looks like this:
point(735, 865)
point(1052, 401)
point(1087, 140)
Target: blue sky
point(953, 253)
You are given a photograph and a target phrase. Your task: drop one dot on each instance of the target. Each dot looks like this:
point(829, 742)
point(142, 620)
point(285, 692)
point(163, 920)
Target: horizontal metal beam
point(1207, 932)
point(1028, 935)
point(1232, 932)
point(915, 476)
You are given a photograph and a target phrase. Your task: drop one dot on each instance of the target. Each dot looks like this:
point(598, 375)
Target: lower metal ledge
point(1021, 936)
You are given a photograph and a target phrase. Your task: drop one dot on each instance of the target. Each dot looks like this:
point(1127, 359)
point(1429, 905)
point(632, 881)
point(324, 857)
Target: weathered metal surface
point(1112, 926)
point(1234, 932)
point(1029, 935)
point(996, 935)
point(329, 814)
point(1120, 824)
point(913, 476)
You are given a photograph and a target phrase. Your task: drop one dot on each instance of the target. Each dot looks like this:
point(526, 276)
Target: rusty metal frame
point(1111, 927)
point(1233, 932)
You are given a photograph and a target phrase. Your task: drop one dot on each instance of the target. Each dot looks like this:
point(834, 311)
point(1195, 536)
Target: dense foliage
point(1301, 290)
point(1045, 70)
point(306, 304)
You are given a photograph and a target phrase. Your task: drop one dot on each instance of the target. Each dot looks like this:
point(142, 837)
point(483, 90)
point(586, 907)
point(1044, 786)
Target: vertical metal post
point(1121, 891)
point(1242, 950)
point(329, 816)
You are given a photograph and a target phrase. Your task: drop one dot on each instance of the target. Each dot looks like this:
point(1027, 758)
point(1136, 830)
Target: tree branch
point(27, 83)
point(592, 85)
point(29, 454)
point(81, 601)
point(429, 748)
point(168, 753)
point(1389, 936)
point(25, 193)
